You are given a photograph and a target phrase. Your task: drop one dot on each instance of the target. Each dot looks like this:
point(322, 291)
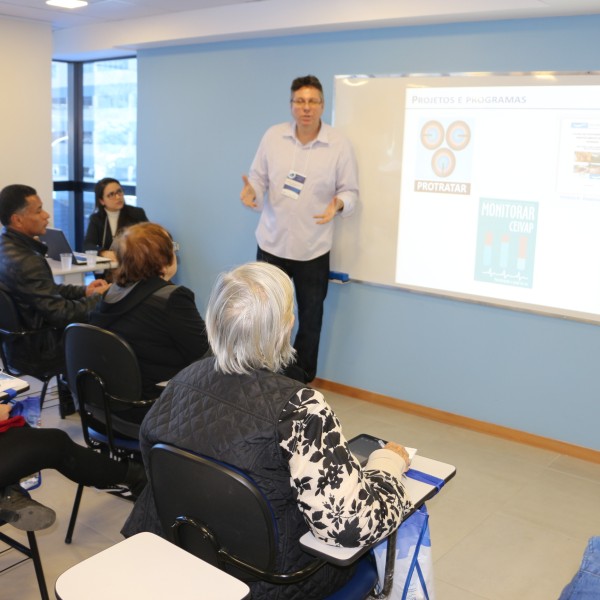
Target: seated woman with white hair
point(291, 443)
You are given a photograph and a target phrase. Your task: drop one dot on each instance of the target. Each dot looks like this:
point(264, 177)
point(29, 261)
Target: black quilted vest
point(234, 418)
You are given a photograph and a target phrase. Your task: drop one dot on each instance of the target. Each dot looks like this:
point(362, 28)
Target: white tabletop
point(13, 383)
point(75, 273)
point(417, 491)
point(149, 567)
point(57, 268)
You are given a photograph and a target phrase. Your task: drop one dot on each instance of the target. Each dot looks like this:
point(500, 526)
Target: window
point(110, 119)
point(60, 121)
point(94, 133)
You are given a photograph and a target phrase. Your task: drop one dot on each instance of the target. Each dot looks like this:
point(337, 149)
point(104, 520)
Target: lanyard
point(308, 154)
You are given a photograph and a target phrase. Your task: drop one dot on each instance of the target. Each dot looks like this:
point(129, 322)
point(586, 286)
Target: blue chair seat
point(362, 583)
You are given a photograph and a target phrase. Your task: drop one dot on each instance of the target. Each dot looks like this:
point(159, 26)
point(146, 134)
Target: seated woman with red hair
point(157, 318)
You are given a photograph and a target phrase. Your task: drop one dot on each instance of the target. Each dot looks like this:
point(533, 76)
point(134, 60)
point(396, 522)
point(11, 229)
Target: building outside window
point(94, 135)
point(63, 205)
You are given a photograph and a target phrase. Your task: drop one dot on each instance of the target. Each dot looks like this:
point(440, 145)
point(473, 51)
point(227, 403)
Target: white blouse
point(342, 503)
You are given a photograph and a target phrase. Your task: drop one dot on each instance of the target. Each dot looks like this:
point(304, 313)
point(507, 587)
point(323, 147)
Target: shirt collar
point(322, 137)
point(33, 243)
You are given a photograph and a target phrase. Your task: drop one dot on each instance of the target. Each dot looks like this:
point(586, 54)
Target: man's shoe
point(22, 512)
point(120, 490)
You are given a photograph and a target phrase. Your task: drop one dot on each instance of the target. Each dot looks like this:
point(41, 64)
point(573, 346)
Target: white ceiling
point(107, 28)
point(104, 11)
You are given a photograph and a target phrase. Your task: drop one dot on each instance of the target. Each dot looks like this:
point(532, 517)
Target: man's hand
point(333, 207)
point(98, 286)
point(248, 195)
point(109, 254)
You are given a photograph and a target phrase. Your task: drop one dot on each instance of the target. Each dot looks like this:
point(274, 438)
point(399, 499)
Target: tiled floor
point(513, 523)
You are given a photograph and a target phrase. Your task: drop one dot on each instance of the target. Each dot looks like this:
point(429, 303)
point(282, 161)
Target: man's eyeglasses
point(115, 193)
point(176, 247)
point(309, 102)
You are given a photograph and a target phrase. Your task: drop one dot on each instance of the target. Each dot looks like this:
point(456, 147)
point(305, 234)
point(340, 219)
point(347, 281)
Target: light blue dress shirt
point(287, 227)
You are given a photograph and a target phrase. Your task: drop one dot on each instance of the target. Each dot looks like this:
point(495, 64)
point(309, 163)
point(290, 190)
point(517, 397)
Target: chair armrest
point(332, 554)
point(123, 403)
point(25, 332)
point(346, 556)
point(219, 556)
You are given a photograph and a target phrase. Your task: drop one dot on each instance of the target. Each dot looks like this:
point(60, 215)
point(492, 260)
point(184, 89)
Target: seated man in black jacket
point(26, 276)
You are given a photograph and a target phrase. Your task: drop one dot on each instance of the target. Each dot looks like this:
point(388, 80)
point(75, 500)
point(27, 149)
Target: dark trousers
point(311, 278)
point(32, 449)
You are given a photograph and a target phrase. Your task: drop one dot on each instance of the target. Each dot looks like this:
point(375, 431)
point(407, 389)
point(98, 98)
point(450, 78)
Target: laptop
point(58, 244)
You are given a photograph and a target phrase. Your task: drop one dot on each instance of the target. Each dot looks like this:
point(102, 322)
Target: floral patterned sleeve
point(342, 504)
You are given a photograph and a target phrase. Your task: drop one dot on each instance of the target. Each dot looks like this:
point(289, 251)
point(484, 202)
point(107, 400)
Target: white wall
point(201, 112)
point(252, 20)
point(26, 106)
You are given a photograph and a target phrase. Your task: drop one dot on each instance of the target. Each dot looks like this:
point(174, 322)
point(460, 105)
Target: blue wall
point(202, 110)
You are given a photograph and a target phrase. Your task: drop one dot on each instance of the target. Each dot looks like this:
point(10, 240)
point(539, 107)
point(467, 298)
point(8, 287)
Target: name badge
point(293, 185)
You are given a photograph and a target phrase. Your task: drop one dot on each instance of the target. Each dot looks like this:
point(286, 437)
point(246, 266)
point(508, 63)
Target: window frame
point(76, 185)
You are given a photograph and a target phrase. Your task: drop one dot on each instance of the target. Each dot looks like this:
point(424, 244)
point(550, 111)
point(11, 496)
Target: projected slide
point(500, 194)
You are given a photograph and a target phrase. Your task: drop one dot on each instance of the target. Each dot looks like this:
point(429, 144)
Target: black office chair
point(217, 513)
point(104, 377)
point(31, 552)
point(11, 330)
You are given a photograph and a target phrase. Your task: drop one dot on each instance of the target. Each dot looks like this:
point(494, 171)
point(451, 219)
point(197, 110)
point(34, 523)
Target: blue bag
point(30, 409)
point(413, 570)
point(585, 585)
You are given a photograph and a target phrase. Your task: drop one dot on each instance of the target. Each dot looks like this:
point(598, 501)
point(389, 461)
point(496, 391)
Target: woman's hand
point(400, 450)
point(109, 254)
point(4, 411)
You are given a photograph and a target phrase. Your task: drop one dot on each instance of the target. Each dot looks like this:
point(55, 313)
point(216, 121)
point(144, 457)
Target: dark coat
point(161, 323)
point(98, 235)
point(234, 418)
point(41, 303)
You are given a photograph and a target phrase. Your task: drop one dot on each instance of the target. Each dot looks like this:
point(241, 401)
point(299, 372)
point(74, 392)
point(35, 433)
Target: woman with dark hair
point(110, 216)
point(157, 318)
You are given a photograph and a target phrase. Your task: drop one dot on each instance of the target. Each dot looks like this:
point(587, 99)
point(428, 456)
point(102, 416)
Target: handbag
point(413, 564)
point(14, 419)
point(28, 409)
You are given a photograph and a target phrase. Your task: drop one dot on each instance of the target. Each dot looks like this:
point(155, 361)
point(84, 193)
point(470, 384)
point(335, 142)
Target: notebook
point(58, 244)
point(362, 446)
point(8, 382)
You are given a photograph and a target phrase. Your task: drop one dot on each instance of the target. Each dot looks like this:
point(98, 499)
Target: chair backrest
point(107, 355)
point(19, 355)
point(217, 513)
point(205, 506)
point(8, 326)
point(103, 375)
point(10, 323)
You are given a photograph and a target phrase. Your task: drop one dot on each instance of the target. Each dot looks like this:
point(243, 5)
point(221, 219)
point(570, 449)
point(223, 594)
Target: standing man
point(303, 175)
point(26, 276)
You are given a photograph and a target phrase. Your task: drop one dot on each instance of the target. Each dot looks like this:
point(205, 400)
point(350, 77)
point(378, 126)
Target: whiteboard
point(452, 160)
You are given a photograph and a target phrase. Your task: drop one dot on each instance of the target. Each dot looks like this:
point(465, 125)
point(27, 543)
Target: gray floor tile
point(507, 557)
point(513, 523)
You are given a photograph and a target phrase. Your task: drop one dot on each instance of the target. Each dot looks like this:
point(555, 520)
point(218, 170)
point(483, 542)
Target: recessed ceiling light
point(67, 3)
